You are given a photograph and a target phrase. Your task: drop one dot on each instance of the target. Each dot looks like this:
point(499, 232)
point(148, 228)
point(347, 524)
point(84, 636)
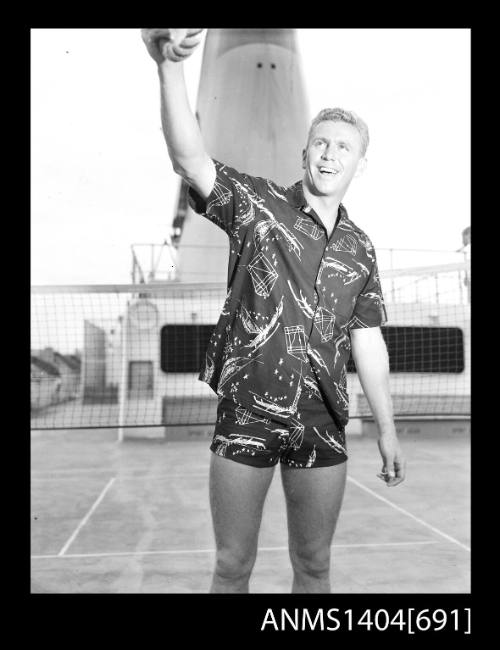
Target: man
point(303, 289)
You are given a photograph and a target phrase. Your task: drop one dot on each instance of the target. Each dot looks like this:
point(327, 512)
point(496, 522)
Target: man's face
point(332, 158)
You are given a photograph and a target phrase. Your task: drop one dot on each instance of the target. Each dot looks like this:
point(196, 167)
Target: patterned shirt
point(293, 297)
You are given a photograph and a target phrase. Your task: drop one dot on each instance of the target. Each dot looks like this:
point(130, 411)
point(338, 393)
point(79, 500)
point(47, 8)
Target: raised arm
point(372, 364)
point(168, 48)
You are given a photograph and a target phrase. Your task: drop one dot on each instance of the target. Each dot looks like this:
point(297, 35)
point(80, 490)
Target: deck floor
point(134, 517)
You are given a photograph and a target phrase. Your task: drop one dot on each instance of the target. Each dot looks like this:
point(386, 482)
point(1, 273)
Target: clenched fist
point(172, 44)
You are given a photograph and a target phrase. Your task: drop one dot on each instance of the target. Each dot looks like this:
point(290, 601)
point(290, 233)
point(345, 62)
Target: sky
point(101, 179)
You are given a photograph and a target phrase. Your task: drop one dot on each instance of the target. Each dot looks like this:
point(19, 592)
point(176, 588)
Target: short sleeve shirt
point(293, 296)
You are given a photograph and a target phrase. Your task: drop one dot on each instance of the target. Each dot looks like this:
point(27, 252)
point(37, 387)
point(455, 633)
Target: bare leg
point(237, 495)
point(313, 498)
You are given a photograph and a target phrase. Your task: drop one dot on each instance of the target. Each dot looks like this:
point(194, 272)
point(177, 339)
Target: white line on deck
point(88, 470)
point(87, 517)
point(408, 514)
point(44, 475)
point(211, 550)
point(124, 477)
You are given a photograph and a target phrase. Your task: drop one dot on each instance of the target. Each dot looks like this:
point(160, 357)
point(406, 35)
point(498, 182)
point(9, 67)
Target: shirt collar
point(296, 198)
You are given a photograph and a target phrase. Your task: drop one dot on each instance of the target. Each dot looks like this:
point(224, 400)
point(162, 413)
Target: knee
point(234, 565)
point(313, 561)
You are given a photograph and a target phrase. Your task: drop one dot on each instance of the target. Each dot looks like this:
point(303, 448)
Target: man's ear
point(304, 156)
point(361, 167)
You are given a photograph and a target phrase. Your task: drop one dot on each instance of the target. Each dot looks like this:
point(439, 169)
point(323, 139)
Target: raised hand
point(175, 45)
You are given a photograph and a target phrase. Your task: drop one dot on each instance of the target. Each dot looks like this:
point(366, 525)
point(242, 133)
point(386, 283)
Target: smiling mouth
point(328, 171)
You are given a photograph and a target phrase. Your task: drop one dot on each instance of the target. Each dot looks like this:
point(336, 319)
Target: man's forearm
point(180, 127)
point(372, 365)
point(376, 388)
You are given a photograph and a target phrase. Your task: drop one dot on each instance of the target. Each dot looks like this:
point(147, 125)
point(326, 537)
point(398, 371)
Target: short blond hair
point(341, 115)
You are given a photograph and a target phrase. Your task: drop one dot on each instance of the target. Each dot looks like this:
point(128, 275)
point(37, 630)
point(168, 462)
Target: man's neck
point(326, 207)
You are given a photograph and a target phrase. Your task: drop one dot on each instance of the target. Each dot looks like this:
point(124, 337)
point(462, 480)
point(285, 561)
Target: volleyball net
point(106, 356)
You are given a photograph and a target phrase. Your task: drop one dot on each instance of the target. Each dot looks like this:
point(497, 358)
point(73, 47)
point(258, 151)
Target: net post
point(123, 377)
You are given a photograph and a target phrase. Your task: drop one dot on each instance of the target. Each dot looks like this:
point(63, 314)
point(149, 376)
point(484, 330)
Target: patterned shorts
point(309, 439)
